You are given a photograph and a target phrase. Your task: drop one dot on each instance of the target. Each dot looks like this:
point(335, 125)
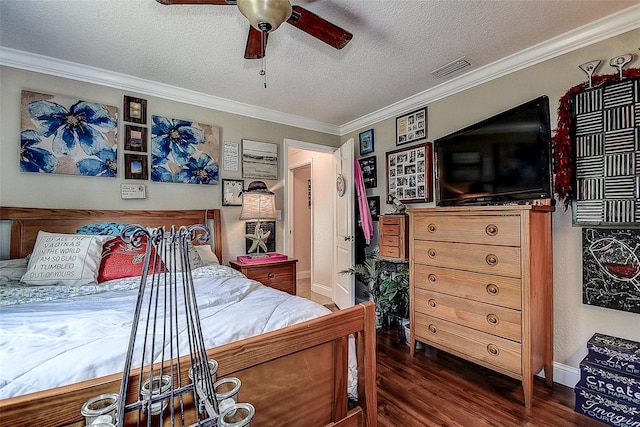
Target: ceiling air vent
point(452, 68)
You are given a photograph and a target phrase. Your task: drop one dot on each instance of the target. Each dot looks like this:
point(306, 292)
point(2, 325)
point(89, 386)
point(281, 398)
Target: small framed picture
point(374, 207)
point(135, 138)
point(366, 142)
point(135, 166)
point(232, 192)
point(369, 171)
point(135, 110)
point(259, 159)
point(411, 127)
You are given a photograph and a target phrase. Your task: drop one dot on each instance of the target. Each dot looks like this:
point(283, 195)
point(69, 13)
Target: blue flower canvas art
point(184, 152)
point(67, 136)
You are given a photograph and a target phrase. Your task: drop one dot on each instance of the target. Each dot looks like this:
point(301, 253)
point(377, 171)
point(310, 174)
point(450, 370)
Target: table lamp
point(258, 203)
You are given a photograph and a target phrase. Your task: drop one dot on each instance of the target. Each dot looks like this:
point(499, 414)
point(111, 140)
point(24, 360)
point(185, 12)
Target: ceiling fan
point(266, 16)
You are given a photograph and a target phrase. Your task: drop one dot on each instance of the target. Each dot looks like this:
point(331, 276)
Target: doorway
point(319, 161)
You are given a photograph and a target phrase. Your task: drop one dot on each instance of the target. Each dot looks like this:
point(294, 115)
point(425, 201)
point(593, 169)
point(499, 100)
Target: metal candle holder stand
point(165, 335)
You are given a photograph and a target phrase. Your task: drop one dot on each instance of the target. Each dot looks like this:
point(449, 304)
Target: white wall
point(64, 191)
point(574, 322)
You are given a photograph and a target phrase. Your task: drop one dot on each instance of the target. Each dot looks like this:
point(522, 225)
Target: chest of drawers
point(393, 239)
point(481, 287)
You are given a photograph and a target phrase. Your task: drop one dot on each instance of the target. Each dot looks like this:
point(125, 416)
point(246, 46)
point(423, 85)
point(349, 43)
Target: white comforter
point(52, 343)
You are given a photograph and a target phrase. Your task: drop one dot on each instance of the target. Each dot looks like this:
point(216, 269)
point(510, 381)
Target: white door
point(344, 237)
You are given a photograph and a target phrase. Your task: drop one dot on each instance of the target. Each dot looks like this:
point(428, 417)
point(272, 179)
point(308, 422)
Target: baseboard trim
point(303, 274)
point(322, 290)
point(564, 374)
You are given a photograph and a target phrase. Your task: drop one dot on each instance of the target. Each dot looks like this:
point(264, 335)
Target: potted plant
point(395, 297)
point(394, 293)
point(370, 273)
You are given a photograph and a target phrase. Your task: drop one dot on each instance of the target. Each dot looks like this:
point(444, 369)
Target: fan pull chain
point(263, 72)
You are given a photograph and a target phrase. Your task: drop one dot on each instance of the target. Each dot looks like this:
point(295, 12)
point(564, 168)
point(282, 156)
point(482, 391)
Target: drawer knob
point(432, 278)
point(432, 228)
point(492, 289)
point(492, 259)
point(431, 253)
point(492, 319)
point(432, 303)
point(271, 275)
point(491, 229)
point(433, 329)
point(493, 350)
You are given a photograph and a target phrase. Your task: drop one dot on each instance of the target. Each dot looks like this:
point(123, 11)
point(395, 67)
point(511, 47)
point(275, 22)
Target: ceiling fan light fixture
point(265, 15)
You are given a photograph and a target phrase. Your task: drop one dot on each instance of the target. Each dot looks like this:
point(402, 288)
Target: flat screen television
point(504, 159)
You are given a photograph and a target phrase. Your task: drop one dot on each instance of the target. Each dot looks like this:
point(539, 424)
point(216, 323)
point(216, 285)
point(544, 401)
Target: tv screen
point(503, 159)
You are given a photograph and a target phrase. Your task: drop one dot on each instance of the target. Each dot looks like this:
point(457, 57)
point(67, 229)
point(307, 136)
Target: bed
point(294, 363)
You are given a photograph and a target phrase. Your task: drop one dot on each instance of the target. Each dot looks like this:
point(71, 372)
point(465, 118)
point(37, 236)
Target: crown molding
point(602, 29)
point(70, 70)
point(610, 26)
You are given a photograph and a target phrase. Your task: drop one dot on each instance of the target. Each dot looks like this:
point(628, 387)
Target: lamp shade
point(258, 202)
point(265, 15)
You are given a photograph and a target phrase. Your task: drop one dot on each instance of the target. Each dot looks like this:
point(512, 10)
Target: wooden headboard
point(26, 222)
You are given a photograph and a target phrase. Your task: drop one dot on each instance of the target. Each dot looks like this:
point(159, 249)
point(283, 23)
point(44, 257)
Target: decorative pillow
point(67, 259)
point(195, 260)
point(120, 259)
point(104, 229)
point(206, 255)
point(12, 270)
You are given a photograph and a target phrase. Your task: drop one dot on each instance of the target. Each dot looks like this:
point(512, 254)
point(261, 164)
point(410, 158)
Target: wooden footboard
point(296, 376)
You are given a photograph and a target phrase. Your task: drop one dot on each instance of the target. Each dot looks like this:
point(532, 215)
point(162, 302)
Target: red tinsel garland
point(561, 144)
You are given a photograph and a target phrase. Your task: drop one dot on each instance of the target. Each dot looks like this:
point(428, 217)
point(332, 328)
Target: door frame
point(303, 145)
point(327, 285)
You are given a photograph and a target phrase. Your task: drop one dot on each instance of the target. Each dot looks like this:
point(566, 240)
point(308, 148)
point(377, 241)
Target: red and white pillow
point(120, 259)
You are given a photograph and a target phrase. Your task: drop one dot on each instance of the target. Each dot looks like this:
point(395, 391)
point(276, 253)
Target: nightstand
point(280, 275)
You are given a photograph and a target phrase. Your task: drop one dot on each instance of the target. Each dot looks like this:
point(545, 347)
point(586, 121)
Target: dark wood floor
point(438, 389)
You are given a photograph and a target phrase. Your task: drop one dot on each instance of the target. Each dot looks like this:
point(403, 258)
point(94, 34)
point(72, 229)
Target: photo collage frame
point(409, 173)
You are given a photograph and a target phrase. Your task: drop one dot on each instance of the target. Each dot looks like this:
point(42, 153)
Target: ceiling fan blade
point(254, 49)
point(319, 28)
point(213, 2)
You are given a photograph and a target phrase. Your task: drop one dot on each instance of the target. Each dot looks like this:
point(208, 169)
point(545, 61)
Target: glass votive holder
point(213, 369)
point(103, 407)
point(160, 385)
point(238, 415)
point(227, 388)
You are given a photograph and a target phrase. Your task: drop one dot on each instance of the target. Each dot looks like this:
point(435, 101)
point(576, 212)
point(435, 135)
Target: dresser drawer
point(497, 290)
point(270, 276)
point(481, 229)
point(477, 345)
point(393, 219)
point(390, 229)
point(286, 286)
point(389, 251)
point(390, 240)
point(492, 319)
point(500, 260)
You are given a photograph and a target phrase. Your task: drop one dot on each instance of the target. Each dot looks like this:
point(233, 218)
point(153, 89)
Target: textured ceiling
point(395, 46)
